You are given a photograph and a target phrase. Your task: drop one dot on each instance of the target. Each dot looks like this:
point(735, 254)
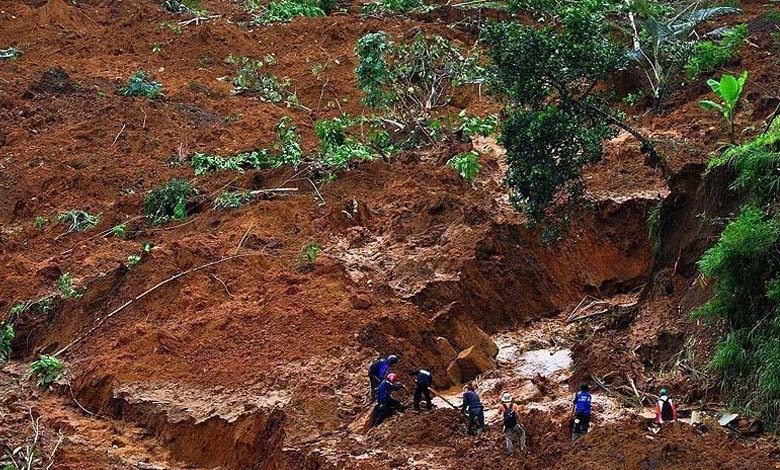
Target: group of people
point(384, 382)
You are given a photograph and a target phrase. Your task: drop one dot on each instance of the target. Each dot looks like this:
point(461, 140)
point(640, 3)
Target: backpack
point(666, 410)
point(510, 417)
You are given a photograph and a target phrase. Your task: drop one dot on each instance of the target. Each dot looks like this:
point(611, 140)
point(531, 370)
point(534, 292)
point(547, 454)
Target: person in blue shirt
point(582, 401)
point(423, 379)
point(471, 403)
point(378, 370)
point(386, 405)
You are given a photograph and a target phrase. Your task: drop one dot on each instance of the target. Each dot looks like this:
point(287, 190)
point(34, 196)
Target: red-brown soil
point(256, 362)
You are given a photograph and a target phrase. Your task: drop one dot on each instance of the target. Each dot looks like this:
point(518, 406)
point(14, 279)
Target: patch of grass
point(7, 335)
point(66, 287)
point(46, 370)
point(78, 220)
point(466, 164)
point(40, 222)
point(168, 201)
point(141, 84)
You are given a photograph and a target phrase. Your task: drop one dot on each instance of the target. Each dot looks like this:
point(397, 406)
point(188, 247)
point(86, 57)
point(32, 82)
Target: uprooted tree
point(557, 115)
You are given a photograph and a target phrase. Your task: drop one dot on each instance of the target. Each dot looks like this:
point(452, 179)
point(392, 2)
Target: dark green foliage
point(141, 84)
point(745, 266)
point(708, 56)
point(46, 370)
point(477, 126)
point(556, 122)
point(6, 338)
point(390, 7)
point(169, 201)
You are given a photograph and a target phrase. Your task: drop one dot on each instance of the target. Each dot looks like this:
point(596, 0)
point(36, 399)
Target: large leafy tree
point(557, 116)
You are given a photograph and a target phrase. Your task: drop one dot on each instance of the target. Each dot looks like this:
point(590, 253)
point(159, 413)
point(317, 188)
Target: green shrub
point(231, 200)
point(6, 338)
point(119, 231)
point(46, 370)
point(410, 79)
point(390, 7)
point(289, 146)
point(250, 79)
point(708, 56)
point(78, 220)
point(169, 201)
point(475, 125)
point(745, 269)
point(132, 260)
point(141, 84)
point(40, 222)
point(466, 164)
point(308, 255)
point(283, 11)
point(66, 288)
point(337, 148)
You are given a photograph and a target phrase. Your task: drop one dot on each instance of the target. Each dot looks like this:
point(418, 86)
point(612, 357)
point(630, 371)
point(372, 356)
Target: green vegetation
point(289, 145)
point(46, 370)
point(231, 200)
point(283, 11)
point(191, 7)
point(665, 39)
point(729, 90)
point(66, 288)
point(708, 56)
point(556, 118)
point(168, 201)
point(10, 53)
point(132, 260)
point(392, 7)
point(6, 338)
point(141, 84)
point(43, 305)
point(745, 268)
point(466, 164)
point(475, 125)
point(171, 26)
point(40, 222)
point(119, 231)
point(410, 80)
point(337, 148)
point(78, 220)
point(250, 79)
point(308, 256)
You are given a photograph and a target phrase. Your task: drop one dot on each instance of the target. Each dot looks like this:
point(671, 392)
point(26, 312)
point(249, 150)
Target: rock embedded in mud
point(470, 363)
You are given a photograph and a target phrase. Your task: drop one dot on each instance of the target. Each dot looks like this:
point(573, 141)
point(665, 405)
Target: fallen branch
point(144, 294)
point(259, 192)
point(199, 19)
point(243, 239)
point(120, 133)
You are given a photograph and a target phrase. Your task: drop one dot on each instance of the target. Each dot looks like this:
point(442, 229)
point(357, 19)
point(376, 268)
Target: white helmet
point(506, 397)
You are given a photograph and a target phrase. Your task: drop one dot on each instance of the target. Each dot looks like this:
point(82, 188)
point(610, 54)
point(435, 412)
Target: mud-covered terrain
point(255, 361)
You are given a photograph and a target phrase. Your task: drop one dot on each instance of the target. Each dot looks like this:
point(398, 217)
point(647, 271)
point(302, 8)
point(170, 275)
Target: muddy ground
point(257, 363)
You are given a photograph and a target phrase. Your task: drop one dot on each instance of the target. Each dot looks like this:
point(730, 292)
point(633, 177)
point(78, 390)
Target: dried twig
point(118, 134)
point(227, 291)
point(54, 451)
point(246, 234)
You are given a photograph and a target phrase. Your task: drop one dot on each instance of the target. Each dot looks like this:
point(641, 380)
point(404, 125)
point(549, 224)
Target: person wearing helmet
point(508, 411)
point(423, 379)
point(581, 421)
point(665, 410)
point(378, 370)
point(386, 405)
point(471, 403)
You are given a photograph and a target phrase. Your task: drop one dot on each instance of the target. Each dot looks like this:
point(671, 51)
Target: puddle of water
point(544, 362)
